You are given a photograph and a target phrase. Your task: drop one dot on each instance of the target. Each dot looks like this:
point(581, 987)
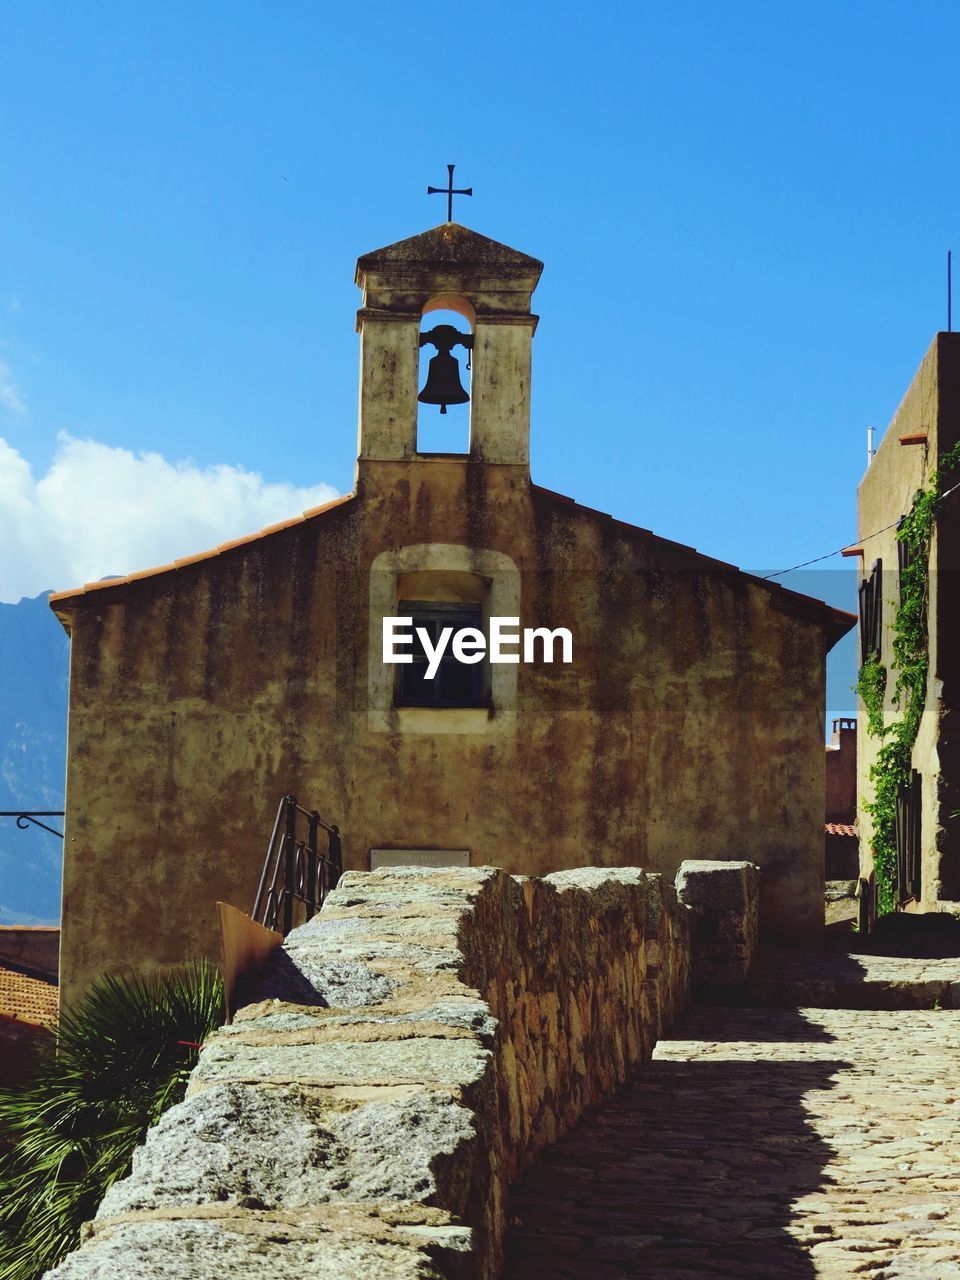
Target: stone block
point(449, 1063)
point(210, 1250)
point(717, 887)
point(291, 1148)
point(723, 899)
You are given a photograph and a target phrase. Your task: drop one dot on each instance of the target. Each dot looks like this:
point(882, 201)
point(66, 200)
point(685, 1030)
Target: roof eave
point(836, 622)
point(61, 602)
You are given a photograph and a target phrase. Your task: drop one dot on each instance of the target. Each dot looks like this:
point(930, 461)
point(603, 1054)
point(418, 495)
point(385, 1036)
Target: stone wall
point(581, 969)
point(397, 1063)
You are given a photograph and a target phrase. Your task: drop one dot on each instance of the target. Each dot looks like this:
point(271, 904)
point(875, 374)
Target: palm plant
point(116, 1062)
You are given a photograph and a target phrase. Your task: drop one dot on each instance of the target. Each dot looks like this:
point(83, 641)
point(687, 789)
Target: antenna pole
point(869, 445)
point(949, 292)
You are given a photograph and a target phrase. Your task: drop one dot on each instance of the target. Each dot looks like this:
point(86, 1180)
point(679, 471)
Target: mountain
point(34, 673)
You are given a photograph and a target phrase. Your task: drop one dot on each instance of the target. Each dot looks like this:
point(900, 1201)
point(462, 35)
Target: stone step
point(783, 978)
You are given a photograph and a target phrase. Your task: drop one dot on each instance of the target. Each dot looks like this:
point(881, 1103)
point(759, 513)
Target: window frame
point(497, 580)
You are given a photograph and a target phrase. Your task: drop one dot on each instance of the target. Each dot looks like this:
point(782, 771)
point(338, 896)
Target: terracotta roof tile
point(76, 592)
point(840, 828)
point(26, 998)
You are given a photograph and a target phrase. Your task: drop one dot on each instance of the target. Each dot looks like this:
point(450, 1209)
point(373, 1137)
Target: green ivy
point(872, 688)
point(891, 769)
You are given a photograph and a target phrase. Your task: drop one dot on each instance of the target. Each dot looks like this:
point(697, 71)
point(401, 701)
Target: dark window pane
point(422, 624)
point(456, 684)
point(413, 685)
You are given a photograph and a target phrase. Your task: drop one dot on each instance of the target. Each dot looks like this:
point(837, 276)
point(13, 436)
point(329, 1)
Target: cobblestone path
point(761, 1143)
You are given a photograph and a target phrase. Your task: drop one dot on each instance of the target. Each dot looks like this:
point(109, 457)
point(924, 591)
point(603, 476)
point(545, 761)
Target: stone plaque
point(419, 858)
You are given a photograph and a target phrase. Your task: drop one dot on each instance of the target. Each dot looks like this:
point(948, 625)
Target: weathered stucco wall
point(930, 407)
point(406, 1054)
point(691, 719)
point(35, 947)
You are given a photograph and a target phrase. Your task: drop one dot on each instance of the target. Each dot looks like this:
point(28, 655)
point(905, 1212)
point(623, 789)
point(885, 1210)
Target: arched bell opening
point(446, 350)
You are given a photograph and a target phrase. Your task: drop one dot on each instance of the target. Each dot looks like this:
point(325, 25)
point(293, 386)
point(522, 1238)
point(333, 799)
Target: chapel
point(689, 722)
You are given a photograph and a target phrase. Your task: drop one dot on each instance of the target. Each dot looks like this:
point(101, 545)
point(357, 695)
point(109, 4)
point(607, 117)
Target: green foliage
point(891, 769)
point(872, 688)
point(111, 1070)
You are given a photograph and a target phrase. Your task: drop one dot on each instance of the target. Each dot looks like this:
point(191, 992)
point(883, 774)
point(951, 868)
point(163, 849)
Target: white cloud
point(100, 510)
point(11, 397)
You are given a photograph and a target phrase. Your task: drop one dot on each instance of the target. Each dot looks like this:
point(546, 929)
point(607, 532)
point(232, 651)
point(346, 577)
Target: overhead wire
point(839, 551)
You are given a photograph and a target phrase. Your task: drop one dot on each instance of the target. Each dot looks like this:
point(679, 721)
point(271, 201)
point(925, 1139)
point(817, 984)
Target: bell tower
point(490, 285)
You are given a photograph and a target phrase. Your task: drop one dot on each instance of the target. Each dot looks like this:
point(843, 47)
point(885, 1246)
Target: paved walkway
point(761, 1143)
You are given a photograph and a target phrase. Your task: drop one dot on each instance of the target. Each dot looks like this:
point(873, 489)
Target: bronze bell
point(443, 384)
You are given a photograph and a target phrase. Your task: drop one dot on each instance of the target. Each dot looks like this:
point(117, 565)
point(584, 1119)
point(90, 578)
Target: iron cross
point(450, 191)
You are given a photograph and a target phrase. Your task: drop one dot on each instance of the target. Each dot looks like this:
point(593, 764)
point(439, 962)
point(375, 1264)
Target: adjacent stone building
point(28, 994)
point(688, 724)
point(925, 428)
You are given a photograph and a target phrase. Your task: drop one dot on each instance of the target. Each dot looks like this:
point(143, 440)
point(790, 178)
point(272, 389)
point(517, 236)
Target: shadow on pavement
point(742, 1025)
point(690, 1172)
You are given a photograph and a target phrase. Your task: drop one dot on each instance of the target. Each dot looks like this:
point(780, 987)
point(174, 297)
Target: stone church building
point(689, 723)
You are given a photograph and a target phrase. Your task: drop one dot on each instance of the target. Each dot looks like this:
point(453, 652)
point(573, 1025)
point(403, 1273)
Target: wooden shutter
point(871, 613)
point(905, 558)
point(908, 833)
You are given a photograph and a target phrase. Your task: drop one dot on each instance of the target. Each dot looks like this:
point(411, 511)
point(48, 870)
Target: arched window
point(446, 347)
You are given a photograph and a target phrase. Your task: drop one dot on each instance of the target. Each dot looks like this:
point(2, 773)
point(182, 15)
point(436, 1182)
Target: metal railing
point(26, 817)
point(295, 869)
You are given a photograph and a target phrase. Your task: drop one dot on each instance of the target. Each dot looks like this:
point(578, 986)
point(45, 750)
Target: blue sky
point(744, 212)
